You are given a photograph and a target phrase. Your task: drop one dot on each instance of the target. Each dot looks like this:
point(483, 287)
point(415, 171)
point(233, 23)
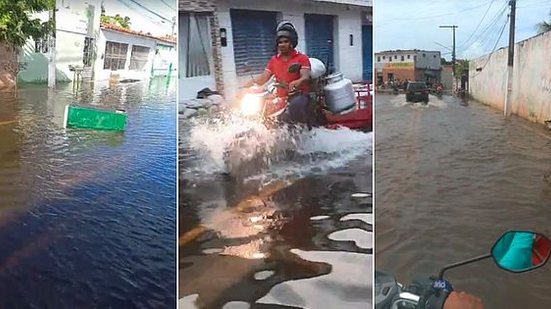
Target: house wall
point(73, 23)
point(165, 59)
point(531, 87)
point(348, 59)
point(431, 60)
point(130, 39)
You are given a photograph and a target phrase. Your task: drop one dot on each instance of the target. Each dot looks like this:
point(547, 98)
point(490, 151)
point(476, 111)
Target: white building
point(239, 31)
point(126, 54)
point(82, 42)
point(412, 64)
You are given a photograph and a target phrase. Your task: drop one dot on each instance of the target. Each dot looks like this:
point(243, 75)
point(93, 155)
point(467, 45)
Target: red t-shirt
point(279, 67)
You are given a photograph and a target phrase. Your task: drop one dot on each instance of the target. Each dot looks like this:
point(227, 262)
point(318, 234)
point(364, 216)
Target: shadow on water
point(280, 243)
point(87, 217)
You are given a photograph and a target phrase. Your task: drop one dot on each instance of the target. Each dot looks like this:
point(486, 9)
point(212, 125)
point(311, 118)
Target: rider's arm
point(260, 79)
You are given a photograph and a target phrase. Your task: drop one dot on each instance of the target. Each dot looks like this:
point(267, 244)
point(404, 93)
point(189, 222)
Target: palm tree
point(544, 26)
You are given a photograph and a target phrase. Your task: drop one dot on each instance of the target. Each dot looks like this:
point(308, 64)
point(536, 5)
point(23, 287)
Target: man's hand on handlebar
point(462, 300)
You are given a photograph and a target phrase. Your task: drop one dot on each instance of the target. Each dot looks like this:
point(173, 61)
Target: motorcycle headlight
point(251, 105)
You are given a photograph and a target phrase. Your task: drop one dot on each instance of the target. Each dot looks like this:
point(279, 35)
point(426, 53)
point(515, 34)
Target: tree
point(116, 20)
point(544, 26)
point(444, 61)
point(16, 25)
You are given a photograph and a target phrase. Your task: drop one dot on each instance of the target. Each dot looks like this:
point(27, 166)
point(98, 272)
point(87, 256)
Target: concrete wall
point(488, 84)
point(431, 60)
point(165, 59)
point(531, 88)
point(447, 76)
point(8, 67)
point(348, 59)
point(73, 24)
point(130, 39)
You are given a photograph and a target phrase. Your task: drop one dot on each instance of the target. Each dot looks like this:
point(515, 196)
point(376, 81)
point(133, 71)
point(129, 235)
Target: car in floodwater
point(417, 92)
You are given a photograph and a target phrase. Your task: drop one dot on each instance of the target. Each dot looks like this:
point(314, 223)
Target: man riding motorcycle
point(293, 85)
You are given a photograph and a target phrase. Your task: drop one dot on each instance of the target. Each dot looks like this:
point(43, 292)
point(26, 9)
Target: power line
point(145, 15)
point(150, 11)
point(447, 14)
point(494, 49)
point(169, 6)
point(485, 34)
point(480, 23)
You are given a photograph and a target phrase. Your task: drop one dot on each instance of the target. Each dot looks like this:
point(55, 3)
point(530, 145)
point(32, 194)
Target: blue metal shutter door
point(319, 38)
point(253, 39)
point(367, 50)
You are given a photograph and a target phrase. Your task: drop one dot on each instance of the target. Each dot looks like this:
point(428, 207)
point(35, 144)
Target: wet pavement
point(87, 217)
point(451, 177)
point(288, 232)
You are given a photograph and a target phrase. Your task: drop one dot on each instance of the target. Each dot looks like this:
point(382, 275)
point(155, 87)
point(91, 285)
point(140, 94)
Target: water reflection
point(87, 218)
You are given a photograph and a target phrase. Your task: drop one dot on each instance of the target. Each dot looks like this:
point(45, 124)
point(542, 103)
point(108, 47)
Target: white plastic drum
point(317, 68)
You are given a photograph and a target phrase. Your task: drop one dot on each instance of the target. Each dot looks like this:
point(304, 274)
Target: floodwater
point(451, 177)
point(87, 218)
point(289, 227)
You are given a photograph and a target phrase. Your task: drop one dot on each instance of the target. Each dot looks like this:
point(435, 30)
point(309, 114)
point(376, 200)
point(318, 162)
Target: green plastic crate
point(92, 118)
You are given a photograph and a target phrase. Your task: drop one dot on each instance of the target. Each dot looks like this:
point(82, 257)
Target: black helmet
point(286, 29)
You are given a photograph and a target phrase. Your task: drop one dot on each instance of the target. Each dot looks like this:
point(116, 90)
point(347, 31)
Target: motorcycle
point(334, 102)
point(514, 251)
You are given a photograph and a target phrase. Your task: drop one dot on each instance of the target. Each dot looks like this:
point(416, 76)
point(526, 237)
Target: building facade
point(402, 65)
point(81, 42)
point(240, 35)
point(126, 54)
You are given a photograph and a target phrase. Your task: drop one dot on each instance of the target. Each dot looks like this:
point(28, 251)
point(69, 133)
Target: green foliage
point(544, 26)
point(461, 67)
point(444, 61)
point(16, 23)
point(123, 22)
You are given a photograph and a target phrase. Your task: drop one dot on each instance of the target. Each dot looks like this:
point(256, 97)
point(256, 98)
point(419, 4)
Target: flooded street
point(87, 217)
point(451, 177)
point(289, 227)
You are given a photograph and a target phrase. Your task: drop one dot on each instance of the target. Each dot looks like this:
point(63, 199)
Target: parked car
point(417, 92)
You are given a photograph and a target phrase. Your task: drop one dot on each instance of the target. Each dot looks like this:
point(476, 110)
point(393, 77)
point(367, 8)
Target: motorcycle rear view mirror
point(514, 251)
point(294, 67)
point(521, 251)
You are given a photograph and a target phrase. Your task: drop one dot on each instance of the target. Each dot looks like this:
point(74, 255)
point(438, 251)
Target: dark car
point(417, 92)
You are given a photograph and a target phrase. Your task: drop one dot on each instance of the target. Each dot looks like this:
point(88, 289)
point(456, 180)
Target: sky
point(158, 23)
point(405, 24)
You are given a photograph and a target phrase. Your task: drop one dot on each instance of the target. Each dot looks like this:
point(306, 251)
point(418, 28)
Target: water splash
point(278, 153)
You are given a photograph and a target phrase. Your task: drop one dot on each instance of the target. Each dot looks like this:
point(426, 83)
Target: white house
point(126, 54)
point(77, 30)
point(98, 50)
point(217, 38)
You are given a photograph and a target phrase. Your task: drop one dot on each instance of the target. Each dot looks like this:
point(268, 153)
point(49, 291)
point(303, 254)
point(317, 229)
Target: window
point(433, 56)
point(88, 53)
point(194, 57)
point(138, 57)
point(409, 56)
point(424, 55)
point(395, 57)
point(389, 59)
point(402, 57)
point(415, 58)
point(41, 46)
point(384, 57)
point(378, 58)
point(115, 56)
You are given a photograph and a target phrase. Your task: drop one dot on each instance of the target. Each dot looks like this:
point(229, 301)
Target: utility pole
point(173, 25)
point(51, 49)
point(510, 59)
point(453, 27)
